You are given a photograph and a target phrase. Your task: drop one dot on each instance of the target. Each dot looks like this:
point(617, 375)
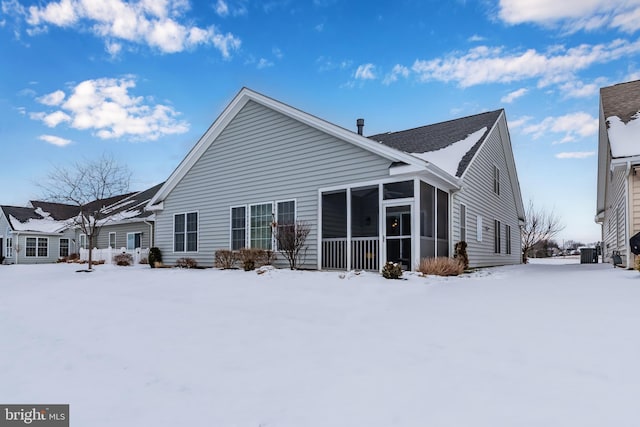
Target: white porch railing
point(107, 254)
point(364, 253)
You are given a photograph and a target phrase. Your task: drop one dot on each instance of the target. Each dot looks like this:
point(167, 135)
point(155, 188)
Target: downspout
point(16, 244)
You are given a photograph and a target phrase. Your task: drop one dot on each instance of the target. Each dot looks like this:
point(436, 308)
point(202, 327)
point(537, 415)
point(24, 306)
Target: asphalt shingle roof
point(621, 100)
point(440, 135)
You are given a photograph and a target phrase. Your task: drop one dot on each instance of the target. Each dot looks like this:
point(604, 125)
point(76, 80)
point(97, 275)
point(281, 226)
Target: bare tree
point(89, 185)
point(540, 225)
point(291, 240)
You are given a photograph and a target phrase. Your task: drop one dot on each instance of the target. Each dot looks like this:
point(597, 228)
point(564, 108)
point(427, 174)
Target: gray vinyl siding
point(121, 231)
point(53, 245)
point(615, 214)
point(262, 156)
point(478, 196)
point(4, 227)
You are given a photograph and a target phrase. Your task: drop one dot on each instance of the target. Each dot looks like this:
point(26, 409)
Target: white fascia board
point(624, 161)
point(245, 95)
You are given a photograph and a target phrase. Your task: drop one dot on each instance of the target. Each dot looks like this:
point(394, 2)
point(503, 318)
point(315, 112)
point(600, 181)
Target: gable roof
point(620, 105)
point(244, 96)
point(50, 217)
point(438, 136)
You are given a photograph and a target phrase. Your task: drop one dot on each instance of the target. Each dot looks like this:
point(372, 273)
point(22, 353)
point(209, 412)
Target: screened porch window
point(9, 252)
point(334, 230)
point(260, 218)
point(397, 190)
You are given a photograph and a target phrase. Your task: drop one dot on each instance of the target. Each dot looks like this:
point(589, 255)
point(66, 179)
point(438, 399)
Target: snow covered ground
point(532, 345)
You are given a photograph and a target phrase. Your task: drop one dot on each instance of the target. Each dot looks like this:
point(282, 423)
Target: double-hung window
point(260, 219)
point(64, 247)
point(496, 237)
point(37, 247)
point(185, 232)
point(9, 251)
point(134, 240)
point(112, 240)
point(238, 227)
point(507, 239)
point(496, 180)
point(83, 241)
point(463, 223)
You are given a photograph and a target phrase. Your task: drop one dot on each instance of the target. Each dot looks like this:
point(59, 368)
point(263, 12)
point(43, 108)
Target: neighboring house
point(618, 201)
point(44, 232)
point(398, 196)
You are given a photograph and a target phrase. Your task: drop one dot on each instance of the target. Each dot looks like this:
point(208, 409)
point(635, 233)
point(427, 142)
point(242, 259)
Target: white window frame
point(133, 233)
point(463, 223)
point(9, 247)
point(479, 228)
point(185, 232)
point(82, 240)
point(37, 247)
point(496, 180)
point(250, 229)
point(507, 238)
point(497, 237)
point(115, 241)
point(60, 247)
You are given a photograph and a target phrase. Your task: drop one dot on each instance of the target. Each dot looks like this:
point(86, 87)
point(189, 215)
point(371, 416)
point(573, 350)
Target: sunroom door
point(398, 234)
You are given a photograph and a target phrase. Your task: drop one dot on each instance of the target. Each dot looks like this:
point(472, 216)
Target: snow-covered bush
point(225, 258)
point(186, 263)
point(392, 270)
point(441, 266)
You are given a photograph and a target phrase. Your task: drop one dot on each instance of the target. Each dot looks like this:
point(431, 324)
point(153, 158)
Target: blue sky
point(143, 80)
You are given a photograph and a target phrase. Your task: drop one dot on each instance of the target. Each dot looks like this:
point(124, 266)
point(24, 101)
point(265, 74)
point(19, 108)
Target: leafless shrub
point(539, 225)
point(291, 240)
point(123, 259)
point(225, 258)
point(186, 263)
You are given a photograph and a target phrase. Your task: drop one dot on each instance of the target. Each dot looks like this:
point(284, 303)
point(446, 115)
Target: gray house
point(43, 232)
point(398, 196)
point(618, 202)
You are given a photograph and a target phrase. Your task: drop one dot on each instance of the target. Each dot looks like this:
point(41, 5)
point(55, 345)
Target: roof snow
point(624, 137)
point(43, 225)
point(448, 158)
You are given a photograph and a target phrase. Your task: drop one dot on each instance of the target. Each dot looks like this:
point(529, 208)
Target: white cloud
point(158, 24)
point(573, 15)
point(264, 63)
point(578, 89)
point(319, 28)
point(113, 48)
point(365, 72)
point(53, 98)
point(572, 126)
point(398, 70)
point(484, 64)
point(476, 38)
point(510, 97)
point(575, 155)
point(55, 140)
point(107, 107)
point(221, 7)
point(328, 64)
point(519, 122)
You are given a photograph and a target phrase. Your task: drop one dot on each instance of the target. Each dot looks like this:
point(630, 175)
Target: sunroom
point(362, 226)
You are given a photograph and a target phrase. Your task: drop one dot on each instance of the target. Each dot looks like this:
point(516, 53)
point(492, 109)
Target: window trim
point(115, 240)
point(60, 247)
point(197, 212)
point(83, 241)
point(507, 239)
point(479, 226)
point(497, 237)
point(246, 225)
point(37, 247)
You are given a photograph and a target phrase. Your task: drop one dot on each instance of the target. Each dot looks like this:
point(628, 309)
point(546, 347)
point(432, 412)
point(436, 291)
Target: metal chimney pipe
point(360, 124)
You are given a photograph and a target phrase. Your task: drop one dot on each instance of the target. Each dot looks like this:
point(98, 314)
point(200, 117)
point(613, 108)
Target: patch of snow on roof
point(624, 138)
point(42, 213)
point(44, 225)
point(449, 157)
